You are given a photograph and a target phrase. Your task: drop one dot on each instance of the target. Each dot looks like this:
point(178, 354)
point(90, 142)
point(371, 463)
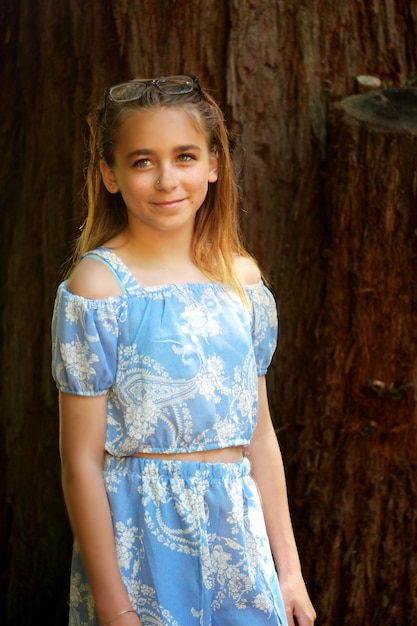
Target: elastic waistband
point(173, 468)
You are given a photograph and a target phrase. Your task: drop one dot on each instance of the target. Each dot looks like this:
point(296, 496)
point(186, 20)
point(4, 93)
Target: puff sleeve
point(84, 342)
point(264, 325)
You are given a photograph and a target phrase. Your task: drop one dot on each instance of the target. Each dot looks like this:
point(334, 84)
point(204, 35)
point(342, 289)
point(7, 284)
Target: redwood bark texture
point(328, 209)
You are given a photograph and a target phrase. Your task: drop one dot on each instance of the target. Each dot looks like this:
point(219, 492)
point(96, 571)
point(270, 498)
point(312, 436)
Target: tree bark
point(365, 433)
point(328, 210)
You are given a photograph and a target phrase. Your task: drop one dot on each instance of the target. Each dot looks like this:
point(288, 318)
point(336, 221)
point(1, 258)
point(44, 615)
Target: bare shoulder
point(247, 270)
point(93, 280)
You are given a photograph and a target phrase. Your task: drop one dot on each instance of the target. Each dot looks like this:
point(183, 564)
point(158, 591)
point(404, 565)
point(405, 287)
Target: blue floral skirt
point(191, 544)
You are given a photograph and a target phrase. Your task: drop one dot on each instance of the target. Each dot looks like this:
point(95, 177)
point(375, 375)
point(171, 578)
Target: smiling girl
point(162, 335)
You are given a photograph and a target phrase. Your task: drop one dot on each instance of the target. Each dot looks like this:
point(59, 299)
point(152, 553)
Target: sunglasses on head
point(134, 89)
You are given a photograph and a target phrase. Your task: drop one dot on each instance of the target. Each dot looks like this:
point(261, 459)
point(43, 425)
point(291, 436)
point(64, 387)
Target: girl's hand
point(300, 611)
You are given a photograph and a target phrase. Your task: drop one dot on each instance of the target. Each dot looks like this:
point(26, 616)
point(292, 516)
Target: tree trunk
point(363, 439)
point(339, 257)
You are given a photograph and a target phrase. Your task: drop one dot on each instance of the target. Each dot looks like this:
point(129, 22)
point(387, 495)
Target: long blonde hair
point(217, 237)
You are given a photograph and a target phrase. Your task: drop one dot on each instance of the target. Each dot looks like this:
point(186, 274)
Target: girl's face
point(162, 167)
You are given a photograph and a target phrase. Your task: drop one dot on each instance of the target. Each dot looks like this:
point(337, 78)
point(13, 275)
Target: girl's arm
point(82, 439)
point(268, 473)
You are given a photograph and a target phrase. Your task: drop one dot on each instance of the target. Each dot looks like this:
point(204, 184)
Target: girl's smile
point(162, 167)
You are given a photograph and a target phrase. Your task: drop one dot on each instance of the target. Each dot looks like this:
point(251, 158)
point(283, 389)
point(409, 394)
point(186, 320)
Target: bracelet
point(114, 618)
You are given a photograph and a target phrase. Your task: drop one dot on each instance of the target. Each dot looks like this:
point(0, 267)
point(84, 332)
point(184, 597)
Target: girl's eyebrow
point(147, 151)
point(188, 147)
point(139, 152)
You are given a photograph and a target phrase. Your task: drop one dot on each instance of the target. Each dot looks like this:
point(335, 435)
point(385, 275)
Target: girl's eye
point(184, 158)
point(141, 163)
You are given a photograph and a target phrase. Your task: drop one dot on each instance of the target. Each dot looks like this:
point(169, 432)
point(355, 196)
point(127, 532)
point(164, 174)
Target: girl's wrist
point(115, 617)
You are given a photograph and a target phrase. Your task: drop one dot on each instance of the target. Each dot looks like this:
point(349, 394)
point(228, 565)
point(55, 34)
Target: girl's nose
point(166, 179)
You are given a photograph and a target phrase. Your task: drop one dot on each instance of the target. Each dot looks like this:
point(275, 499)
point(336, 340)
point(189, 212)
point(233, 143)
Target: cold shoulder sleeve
point(264, 325)
point(84, 342)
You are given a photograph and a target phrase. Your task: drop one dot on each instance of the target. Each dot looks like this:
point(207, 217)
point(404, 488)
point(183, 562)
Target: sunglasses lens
point(127, 91)
point(175, 84)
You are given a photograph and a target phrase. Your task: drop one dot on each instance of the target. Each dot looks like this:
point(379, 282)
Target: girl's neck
point(160, 259)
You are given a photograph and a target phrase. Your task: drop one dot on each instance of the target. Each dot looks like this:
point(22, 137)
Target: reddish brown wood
point(362, 441)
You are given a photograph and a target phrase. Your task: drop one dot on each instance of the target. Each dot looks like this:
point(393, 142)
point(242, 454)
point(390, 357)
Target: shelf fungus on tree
point(393, 109)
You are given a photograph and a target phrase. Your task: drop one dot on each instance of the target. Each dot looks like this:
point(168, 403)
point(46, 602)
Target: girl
point(162, 335)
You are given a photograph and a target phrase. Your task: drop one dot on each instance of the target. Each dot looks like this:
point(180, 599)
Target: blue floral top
point(179, 363)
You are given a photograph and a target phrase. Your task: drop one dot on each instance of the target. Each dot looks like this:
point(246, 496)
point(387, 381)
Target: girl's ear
point(213, 168)
point(109, 179)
